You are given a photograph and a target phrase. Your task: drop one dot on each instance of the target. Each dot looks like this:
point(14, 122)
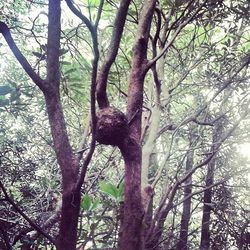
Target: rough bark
point(186, 212)
point(131, 234)
point(69, 168)
point(70, 198)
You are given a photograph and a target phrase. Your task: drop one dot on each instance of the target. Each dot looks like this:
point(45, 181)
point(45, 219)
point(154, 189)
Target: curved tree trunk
point(131, 234)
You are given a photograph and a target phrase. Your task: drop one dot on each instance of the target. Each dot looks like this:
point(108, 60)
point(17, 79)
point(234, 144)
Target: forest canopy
point(124, 124)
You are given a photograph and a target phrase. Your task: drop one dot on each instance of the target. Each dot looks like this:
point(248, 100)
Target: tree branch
point(93, 119)
point(201, 191)
point(178, 30)
point(33, 224)
point(21, 59)
point(119, 23)
point(81, 16)
point(99, 13)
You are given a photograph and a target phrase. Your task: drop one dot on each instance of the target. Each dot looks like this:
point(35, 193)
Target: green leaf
point(70, 71)
point(75, 79)
point(86, 202)
point(121, 190)
point(4, 90)
point(66, 63)
point(86, 63)
point(108, 188)
point(114, 192)
point(95, 203)
point(92, 3)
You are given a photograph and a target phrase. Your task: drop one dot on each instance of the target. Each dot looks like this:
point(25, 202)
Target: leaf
point(86, 63)
point(4, 102)
point(39, 55)
point(112, 190)
point(63, 51)
point(44, 47)
point(95, 203)
point(86, 202)
point(65, 63)
point(4, 90)
point(108, 188)
point(70, 71)
point(121, 190)
point(75, 79)
point(92, 3)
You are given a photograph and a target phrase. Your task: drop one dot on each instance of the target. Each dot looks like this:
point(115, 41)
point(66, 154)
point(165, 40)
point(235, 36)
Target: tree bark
point(131, 237)
point(101, 88)
point(186, 212)
point(68, 164)
point(207, 197)
point(131, 233)
point(50, 87)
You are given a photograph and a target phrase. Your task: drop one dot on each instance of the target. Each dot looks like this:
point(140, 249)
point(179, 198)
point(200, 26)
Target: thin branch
point(201, 191)
point(93, 114)
point(99, 13)
point(20, 57)
point(81, 16)
point(93, 31)
point(119, 23)
point(225, 85)
point(178, 30)
point(202, 163)
point(163, 208)
point(194, 117)
point(33, 224)
point(82, 147)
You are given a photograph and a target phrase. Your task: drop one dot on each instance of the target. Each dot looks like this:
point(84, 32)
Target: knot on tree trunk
point(111, 127)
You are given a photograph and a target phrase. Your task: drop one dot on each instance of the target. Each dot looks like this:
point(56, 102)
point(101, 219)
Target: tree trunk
point(131, 150)
point(131, 235)
point(207, 197)
point(67, 237)
point(186, 212)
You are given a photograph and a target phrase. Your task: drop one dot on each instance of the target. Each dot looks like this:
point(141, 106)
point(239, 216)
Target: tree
point(174, 41)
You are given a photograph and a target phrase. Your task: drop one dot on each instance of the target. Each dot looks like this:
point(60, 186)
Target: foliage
point(202, 82)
